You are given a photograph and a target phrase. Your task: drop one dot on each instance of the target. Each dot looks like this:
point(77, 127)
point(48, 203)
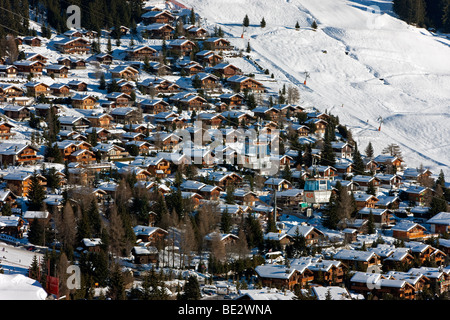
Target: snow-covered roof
point(20, 287)
point(333, 292)
point(442, 218)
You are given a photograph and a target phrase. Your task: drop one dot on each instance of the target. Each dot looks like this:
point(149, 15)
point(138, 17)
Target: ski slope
point(363, 63)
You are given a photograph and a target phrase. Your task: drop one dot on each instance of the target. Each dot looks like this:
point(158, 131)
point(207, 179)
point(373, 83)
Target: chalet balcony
point(415, 235)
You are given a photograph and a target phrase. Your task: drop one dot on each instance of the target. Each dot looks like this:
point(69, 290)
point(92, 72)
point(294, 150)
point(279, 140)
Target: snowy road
point(16, 259)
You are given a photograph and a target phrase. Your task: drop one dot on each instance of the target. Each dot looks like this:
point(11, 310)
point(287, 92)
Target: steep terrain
point(363, 62)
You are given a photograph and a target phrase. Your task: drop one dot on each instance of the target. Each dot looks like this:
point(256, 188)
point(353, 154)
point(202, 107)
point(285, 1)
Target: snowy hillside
point(364, 63)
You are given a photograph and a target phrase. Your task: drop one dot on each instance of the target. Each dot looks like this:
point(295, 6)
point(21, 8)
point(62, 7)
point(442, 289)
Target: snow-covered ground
point(363, 63)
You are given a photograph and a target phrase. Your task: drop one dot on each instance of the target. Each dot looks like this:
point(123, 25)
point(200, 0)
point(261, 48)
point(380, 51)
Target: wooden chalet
point(217, 44)
point(208, 58)
point(181, 47)
point(416, 194)
point(36, 88)
point(243, 83)
point(440, 223)
point(159, 85)
point(145, 254)
point(8, 71)
point(364, 200)
point(73, 123)
point(5, 130)
point(232, 99)
point(283, 277)
point(192, 102)
point(60, 89)
point(163, 17)
point(17, 112)
point(91, 244)
point(42, 216)
point(73, 46)
point(381, 217)
point(119, 99)
point(154, 106)
point(110, 151)
point(226, 70)
point(379, 286)
point(77, 85)
point(104, 58)
point(408, 231)
point(19, 183)
point(101, 120)
point(227, 239)
point(358, 260)
point(191, 68)
point(125, 72)
point(365, 181)
point(151, 235)
point(32, 41)
point(82, 156)
point(159, 31)
point(7, 197)
point(32, 56)
point(342, 150)
point(124, 115)
point(125, 86)
point(194, 32)
point(80, 101)
point(385, 162)
point(12, 226)
point(311, 234)
point(26, 67)
point(141, 53)
point(206, 81)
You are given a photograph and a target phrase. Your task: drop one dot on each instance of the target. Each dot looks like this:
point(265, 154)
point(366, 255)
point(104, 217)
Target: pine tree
point(263, 23)
point(314, 25)
point(249, 49)
point(191, 289)
point(438, 203)
point(36, 194)
point(116, 287)
point(34, 272)
point(287, 173)
point(225, 222)
point(358, 164)
point(246, 21)
point(369, 151)
point(328, 157)
point(441, 179)
point(93, 216)
point(370, 224)
point(36, 233)
point(229, 197)
point(297, 26)
point(330, 215)
point(109, 46)
point(192, 17)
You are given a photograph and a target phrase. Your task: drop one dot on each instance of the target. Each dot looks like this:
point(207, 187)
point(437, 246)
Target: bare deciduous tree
point(293, 95)
point(217, 247)
point(117, 232)
point(66, 226)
